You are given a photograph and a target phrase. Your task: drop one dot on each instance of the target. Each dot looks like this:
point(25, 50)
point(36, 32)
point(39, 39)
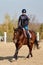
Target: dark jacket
point(23, 21)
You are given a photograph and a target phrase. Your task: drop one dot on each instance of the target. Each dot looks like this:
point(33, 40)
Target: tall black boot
point(28, 37)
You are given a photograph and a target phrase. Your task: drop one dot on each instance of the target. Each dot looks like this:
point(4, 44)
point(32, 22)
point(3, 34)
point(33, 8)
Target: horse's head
point(15, 35)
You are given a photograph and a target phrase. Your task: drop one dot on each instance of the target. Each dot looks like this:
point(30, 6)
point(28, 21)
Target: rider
point(23, 22)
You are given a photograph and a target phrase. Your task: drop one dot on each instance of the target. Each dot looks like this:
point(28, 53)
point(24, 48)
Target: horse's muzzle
point(15, 40)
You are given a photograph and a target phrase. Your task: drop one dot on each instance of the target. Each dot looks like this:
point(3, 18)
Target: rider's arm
point(19, 21)
point(28, 19)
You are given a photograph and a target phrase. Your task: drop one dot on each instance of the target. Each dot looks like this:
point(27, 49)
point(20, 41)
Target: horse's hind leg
point(30, 52)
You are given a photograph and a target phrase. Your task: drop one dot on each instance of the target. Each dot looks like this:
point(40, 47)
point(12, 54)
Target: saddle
point(25, 33)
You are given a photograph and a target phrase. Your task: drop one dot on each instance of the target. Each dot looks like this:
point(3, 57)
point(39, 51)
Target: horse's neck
point(21, 34)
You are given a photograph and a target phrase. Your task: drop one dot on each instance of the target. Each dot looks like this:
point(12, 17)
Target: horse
point(20, 39)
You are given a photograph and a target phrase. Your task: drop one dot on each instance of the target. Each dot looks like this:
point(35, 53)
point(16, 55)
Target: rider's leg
point(24, 32)
point(28, 36)
point(26, 29)
point(29, 33)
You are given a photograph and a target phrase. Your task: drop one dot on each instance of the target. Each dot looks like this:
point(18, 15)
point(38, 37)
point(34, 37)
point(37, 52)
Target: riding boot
point(28, 37)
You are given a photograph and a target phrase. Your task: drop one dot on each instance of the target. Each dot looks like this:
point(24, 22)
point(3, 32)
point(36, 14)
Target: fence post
point(37, 36)
point(5, 37)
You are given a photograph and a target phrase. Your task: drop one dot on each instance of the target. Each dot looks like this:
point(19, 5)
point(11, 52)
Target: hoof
point(38, 47)
point(27, 56)
point(31, 55)
point(15, 57)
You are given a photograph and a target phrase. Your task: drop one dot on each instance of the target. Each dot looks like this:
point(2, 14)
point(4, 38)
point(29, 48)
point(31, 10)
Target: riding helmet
point(23, 10)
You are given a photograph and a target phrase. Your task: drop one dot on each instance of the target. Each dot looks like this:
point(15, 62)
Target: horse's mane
point(20, 30)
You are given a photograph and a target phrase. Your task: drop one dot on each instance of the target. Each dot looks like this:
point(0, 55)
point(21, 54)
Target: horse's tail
point(36, 43)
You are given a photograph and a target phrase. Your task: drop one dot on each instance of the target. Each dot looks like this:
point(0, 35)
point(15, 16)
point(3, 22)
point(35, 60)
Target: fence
point(8, 37)
point(38, 36)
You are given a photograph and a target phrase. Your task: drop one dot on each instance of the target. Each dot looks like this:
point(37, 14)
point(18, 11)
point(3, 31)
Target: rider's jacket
point(23, 21)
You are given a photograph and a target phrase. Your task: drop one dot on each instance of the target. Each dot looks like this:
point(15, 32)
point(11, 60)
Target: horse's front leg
point(16, 53)
point(18, 46)
point(30, 51)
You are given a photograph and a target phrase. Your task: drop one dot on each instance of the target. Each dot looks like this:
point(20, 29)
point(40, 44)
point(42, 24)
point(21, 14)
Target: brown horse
point(20, 39)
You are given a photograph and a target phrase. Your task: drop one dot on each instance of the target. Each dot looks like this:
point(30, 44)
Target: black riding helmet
point(23, 10)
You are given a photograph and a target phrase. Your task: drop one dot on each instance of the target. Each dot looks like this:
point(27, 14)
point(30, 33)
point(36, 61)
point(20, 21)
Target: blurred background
point(10, 10)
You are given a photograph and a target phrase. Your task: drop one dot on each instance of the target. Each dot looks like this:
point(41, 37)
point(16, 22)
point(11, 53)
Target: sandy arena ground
point(7, 51)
